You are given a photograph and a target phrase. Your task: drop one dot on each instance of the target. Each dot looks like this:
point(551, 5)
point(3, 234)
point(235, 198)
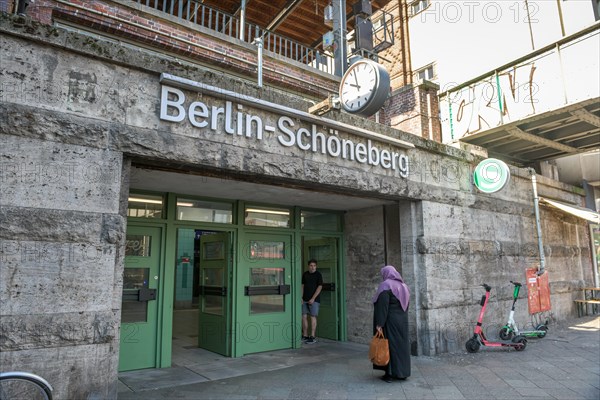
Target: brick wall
point(397, 58)
point(143, 25)
point(414, 109)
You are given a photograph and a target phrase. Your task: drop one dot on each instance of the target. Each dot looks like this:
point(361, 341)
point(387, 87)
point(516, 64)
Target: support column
point(339, 25)
point(414, 274)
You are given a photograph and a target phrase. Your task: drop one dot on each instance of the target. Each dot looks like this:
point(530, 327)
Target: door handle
point(262, 290)
point(145, 294)
point(213, 290)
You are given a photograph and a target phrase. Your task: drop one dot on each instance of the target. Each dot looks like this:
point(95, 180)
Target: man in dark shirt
point(312, 284)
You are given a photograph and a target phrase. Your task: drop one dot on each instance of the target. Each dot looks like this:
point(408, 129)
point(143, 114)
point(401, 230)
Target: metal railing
point(196, 12)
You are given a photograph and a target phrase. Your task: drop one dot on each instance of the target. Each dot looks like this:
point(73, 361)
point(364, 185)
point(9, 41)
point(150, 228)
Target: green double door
point(139, 310)
point(253, 311)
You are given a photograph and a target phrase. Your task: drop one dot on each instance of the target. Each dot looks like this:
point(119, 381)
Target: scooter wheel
point(520, 340)
point(505, 333)
point(543, 329)
point(472, 345)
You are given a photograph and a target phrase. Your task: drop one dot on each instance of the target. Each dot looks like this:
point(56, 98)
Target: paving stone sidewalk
point(563, 365)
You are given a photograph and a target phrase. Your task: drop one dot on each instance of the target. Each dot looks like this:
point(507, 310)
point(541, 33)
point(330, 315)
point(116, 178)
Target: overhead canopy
point(580, 212)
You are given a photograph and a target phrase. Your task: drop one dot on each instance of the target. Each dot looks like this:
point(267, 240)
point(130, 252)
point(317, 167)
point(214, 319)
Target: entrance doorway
point(202, 295)
point(222, 276)
point(325, 251)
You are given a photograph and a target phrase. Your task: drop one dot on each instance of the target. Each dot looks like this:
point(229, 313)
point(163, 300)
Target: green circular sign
point(491, 175)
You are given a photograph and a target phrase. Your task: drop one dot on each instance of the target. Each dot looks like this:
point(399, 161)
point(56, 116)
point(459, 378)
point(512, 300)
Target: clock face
point(358, 86)
point(364, 87)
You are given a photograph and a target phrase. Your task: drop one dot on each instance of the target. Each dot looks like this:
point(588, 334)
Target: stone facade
point(76, 109)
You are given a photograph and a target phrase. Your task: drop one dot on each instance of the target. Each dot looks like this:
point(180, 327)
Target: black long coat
point(394, 320)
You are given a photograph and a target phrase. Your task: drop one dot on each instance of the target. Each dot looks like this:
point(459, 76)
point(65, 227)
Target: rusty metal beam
point(289, 8)
point(517, 132)
point(586, 116)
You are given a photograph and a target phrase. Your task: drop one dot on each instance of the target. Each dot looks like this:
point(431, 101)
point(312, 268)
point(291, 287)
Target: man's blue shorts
point(312, 309)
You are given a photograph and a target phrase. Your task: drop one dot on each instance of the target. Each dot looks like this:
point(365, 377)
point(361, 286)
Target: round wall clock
point(364, 88)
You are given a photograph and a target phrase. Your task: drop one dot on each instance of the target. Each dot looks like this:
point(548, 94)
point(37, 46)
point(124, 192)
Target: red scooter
point(518, 342)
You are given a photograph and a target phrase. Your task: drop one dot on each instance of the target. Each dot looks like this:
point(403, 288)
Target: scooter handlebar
point(516, 283)
point(487, 287)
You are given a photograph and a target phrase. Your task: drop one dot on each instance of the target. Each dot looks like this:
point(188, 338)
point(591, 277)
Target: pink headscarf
point(393, 281)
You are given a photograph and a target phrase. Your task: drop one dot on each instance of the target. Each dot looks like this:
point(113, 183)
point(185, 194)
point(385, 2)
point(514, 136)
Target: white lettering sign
point(233, 120)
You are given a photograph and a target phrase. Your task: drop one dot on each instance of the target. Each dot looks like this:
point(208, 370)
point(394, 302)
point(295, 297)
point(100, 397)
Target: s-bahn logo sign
point(289, 128)
point(491, 175)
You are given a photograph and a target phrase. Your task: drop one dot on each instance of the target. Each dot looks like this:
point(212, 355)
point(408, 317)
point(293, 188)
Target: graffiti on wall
point(496, 100)
point(547, 81)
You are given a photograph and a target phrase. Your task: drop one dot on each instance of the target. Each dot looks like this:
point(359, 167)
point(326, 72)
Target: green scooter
point(511, 328)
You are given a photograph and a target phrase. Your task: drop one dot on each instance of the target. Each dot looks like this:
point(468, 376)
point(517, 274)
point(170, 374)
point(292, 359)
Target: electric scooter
point(510, 329)
point(519, 342)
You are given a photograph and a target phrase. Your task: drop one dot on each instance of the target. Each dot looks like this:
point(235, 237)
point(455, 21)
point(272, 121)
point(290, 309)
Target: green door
point(215, 262)
point(139, 310)
point(264, 299)
point(324, 250)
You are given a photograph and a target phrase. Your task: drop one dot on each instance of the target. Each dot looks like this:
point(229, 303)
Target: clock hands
point(355, 80)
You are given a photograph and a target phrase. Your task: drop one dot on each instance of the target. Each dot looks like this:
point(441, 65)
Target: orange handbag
point(379, 350)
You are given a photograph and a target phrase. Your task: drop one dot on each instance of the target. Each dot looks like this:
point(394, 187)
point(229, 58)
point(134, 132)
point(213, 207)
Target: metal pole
point(242, 20)
point(560, 18)
point(529, 22)
point(595, 261)
point(537, 221)
point(341, 51)
point(259, 43)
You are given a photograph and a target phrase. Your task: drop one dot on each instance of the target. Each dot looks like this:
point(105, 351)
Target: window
point(425, 74)
point(145, 206)
point(317, 220)
point(267, 216)
point(204, 211)
point(262, 250)
point(418, 6)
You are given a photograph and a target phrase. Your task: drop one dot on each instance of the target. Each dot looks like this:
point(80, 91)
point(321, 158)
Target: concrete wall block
point(448, 330)
point(35, 331)
point(19, 223)
point(436, 215)
point(59, 81)
point(440, 296)
point(75, 372)
point(365, 256)
point(39, 123)
point(450, 173)
point(45, 174)
point(232, 158)
point(77, 277)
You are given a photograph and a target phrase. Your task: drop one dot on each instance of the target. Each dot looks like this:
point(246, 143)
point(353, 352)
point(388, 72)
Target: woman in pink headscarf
point(391, 305)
